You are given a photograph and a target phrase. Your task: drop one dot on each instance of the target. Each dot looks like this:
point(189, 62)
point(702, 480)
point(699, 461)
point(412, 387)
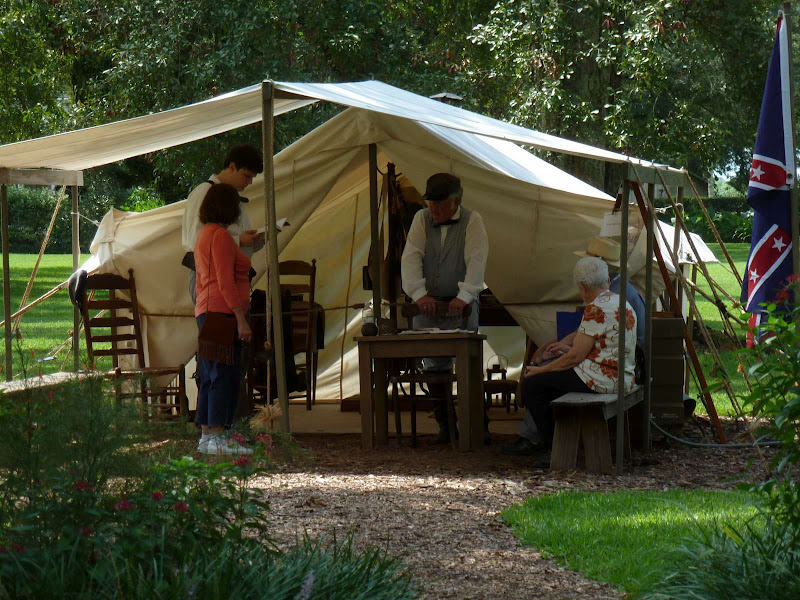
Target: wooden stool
point(414, 379)
point(503, 387)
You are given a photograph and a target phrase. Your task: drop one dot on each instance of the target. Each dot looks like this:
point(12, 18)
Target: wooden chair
point(502, 387)
point(116, 295)
point(304, 318)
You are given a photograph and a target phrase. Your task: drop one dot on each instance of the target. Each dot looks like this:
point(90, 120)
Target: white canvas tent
point(536, 215)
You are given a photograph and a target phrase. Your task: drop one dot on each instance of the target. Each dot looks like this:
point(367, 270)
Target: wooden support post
point(649, 222)
point(6, 281)
point(76, 262)
point(376, 250)
point(676, 244)
point(690, 321)
point(709, 402)
point(273, 274)
point(623, 284)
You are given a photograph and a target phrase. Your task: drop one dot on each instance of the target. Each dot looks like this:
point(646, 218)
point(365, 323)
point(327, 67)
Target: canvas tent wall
point(535, 216)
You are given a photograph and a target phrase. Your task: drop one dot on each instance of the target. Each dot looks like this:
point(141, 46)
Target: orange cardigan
point(222, 268)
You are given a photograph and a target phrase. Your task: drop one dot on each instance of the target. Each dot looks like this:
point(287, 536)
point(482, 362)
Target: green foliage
point(748, 563)
point(732, 226)
point(141, 199)
point(623, 537)
point(775, 372)
point(87, 512)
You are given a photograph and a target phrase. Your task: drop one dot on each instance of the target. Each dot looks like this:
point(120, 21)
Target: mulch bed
point(439, 510)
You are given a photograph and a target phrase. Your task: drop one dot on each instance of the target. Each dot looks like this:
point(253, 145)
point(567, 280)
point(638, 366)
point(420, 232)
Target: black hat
point(441, 186)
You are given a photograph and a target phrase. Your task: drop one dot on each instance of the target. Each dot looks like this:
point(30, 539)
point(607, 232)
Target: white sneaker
point(219, 445)
point(202, 446)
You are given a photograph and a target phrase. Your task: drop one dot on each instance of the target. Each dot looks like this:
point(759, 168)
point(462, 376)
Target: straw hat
point(605, 248)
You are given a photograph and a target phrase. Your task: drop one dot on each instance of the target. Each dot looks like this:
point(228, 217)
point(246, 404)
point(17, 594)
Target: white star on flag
point(778, 243)
point(757, 172)
point(754, 275)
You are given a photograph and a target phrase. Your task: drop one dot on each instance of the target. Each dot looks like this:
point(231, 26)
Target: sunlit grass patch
point(623, 538)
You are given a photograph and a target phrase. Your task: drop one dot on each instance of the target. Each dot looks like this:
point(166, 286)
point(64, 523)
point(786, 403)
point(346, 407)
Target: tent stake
point(273, 274)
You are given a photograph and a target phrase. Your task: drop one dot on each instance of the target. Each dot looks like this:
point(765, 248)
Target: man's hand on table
point(427, 306)
point(456, 307)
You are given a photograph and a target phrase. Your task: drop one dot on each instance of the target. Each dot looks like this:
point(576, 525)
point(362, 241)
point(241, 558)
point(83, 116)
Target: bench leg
point(596, 443)
point(565, 441)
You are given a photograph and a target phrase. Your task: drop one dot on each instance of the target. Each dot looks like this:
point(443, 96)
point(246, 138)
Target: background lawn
point(626, 539)
point(48, 325)
point(722, 274)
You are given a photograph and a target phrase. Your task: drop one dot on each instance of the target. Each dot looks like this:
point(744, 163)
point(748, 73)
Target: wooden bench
point(584, 418)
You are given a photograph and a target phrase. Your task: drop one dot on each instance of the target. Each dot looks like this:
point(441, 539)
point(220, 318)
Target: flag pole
point(787, 9)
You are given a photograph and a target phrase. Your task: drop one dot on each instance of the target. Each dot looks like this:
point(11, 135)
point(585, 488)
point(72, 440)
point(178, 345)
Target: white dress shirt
point(476, 252)
point(191, 225)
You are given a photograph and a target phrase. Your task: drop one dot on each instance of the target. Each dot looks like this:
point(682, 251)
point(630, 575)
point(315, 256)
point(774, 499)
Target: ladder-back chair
point(300, 285)
point(118, 325)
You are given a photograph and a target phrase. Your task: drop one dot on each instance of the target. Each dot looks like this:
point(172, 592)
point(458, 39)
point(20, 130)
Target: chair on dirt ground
point(118, 325)
point(502, 387)
point(298, 279)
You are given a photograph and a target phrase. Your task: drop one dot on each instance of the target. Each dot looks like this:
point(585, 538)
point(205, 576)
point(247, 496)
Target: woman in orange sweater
point(223, 287)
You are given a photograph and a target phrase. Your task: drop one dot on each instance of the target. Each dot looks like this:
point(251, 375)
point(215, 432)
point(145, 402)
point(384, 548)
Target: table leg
point(465, 425)
point(381, 403)
point(366, 401)
point(476, 406)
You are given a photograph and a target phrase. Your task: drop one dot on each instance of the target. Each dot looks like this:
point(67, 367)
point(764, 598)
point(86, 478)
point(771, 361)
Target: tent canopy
point(95, 146)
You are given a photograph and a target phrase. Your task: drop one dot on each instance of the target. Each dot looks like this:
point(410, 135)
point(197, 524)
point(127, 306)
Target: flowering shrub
point(85, 514)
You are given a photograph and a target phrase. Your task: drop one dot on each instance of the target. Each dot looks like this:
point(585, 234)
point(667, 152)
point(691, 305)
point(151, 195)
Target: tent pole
point(76, 260)
point(623, 283)
point(676, 244)
point(648, 322)
point(6, 281)
point(376, 251)
point(273, 274)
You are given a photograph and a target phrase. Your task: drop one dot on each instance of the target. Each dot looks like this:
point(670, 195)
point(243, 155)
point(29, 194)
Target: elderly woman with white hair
point(589, 366)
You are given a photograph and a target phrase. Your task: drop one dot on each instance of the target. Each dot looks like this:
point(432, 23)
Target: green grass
point(721, 274)
point(47, 325)
point(625, 539)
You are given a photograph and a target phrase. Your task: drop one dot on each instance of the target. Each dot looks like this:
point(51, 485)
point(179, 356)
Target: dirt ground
point(440, 510)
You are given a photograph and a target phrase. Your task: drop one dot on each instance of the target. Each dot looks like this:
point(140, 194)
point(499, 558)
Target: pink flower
point(86, 531)
point(242, 461)
point(157, 496)
point(265, 439)
point(239, 438)
point(81, 486)
point(782, 297)
point(181, 507)
point(793, 277)
point(18, 547)
point(124, 505)
point(3, 550)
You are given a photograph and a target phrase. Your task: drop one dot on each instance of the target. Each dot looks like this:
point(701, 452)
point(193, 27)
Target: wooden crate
point(668, 370)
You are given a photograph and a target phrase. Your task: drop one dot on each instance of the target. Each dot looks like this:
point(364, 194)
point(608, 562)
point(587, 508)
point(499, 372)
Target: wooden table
point(375, 351)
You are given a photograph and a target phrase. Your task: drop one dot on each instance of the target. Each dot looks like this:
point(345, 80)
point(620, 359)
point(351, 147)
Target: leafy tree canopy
point(675, 81)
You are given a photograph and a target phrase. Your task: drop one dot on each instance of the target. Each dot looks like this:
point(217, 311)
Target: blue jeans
point(217, 387)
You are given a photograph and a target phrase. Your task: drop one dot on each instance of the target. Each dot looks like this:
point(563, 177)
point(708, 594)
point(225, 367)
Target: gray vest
point(443, 265)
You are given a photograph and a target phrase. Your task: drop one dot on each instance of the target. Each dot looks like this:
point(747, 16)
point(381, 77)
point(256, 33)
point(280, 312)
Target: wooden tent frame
point(38, 177)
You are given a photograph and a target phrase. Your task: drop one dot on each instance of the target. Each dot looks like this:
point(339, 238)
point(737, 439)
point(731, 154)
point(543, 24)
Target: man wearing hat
point(444, 260)
point(528, 441)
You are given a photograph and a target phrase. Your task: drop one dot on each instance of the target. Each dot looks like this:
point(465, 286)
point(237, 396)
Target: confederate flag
point(771, 177)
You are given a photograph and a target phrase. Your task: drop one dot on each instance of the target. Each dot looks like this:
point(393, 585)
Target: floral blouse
point(599, 370)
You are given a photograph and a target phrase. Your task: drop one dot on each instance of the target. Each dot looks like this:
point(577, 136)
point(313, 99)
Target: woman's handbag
point(218, 332)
